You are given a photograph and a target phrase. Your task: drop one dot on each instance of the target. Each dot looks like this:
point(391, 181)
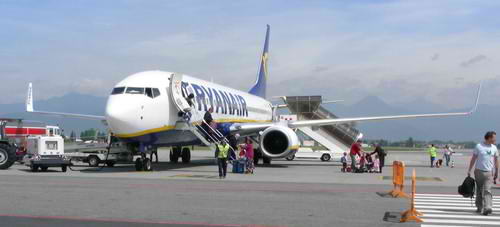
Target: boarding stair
point(195, 122)
point(334, 137)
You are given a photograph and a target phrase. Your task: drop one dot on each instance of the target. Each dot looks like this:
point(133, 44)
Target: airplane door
point(176, 92)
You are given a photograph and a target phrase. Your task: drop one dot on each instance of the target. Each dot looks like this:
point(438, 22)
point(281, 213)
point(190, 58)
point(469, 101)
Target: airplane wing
point(29, 109)
point(253, 127)
point(297, 124)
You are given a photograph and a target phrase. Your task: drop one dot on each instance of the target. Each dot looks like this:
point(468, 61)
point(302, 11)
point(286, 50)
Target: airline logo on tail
point(259, 89)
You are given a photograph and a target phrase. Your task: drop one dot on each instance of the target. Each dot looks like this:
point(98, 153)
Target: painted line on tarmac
point(450, 200)
point(449, 204)
point(451, 212)
point(446, 195)
point(126, 220)
point(467, 222)
point(477, 216)
point(446, 225)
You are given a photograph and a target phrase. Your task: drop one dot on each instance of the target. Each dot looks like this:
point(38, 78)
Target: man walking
point(355, 150)
point(485, 159)
point(433, 153)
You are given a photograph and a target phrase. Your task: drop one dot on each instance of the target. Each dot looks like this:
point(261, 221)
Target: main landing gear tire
point(7, 156)
point(175, 153)
point(290, 158)
point(325, 157)
point(266, 160)
point(44, 168)
point(147, 165)
point(138, 164)
point(64, 168)
point(186, 155)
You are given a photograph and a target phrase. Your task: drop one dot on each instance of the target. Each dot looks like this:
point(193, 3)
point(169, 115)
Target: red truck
point(13, 138)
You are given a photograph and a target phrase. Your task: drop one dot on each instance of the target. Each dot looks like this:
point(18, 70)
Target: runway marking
point(126, 220)
point(442, 210)
point(194, 176)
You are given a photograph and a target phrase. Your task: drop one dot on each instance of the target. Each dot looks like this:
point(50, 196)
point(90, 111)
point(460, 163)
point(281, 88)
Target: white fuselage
point(141, 105)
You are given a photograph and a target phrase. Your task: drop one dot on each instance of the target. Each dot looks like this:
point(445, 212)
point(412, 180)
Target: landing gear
point(33, 167)
point(138, 164)
point(143, 164)
point(186, 155)
point(257, 156)
point(175, 153)
point(266, 160)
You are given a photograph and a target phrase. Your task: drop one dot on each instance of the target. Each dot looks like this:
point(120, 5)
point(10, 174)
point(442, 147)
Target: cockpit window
point(118, 90)
point(135, 90)
point(149, 92)
point(156, 92)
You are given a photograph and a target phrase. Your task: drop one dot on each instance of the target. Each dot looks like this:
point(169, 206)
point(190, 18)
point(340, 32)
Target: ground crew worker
point(485, 158)
point(222, 158)
point(433, 153)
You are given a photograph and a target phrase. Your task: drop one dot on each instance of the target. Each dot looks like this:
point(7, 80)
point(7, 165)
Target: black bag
point(467, 188)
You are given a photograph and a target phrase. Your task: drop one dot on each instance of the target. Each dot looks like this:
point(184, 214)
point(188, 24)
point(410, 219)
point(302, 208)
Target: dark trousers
point(432, 161)
point(353, 163)
point(381, 160)
point(222, 162)
point(344, 166)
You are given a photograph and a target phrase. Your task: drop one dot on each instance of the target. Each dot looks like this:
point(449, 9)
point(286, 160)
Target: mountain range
point(453, 128)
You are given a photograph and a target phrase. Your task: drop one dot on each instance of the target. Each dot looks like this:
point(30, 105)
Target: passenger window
point(149, 92)
point(156, 92)
point(135, 90)
point(118, 90)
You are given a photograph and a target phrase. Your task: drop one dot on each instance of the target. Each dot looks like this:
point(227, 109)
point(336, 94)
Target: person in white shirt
point(447, 154)
point(485, 159)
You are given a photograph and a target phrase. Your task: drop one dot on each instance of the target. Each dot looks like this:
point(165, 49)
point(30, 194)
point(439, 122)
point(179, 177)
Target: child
point(376, 164)
point(344, 162)
point(369, 163)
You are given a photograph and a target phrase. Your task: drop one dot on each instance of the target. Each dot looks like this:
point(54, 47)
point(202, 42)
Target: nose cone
point(121, 115)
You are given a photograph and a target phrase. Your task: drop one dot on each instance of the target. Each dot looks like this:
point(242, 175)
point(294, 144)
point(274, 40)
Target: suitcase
point(238, 166)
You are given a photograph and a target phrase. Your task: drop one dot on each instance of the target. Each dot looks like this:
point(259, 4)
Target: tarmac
point(285, 193)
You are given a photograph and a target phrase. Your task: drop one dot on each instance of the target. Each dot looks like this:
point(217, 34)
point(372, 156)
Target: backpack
point(467, 188)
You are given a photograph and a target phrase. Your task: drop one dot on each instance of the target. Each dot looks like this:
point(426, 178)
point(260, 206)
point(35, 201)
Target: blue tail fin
point(259, 89)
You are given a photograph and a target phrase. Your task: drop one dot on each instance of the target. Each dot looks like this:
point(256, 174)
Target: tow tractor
point(7, 148)
point(44, 152)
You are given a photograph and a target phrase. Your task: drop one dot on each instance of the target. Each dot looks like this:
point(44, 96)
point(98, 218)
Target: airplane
point(147, 110)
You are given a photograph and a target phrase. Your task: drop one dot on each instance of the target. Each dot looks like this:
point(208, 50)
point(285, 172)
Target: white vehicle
point(309, 153)
point(44, 152)
point(149, 109)
point(97, 153)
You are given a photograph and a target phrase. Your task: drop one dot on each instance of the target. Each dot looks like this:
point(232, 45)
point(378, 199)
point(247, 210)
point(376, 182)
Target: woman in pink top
point(249, 154)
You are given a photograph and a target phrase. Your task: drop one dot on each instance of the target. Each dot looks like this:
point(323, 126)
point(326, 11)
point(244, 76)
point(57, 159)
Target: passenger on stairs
point(209, 123)
point(187, 111)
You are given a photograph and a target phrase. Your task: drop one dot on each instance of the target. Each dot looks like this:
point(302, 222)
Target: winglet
point(477, 98)
point(29, 99)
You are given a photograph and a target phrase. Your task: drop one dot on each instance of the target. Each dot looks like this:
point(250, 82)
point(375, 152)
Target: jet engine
point(279, 142)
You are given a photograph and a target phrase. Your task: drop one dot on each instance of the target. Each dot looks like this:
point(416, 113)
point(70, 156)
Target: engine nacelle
point(279, 142)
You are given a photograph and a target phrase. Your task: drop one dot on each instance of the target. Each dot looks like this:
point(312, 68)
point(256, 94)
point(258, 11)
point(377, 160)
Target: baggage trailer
point(97, 153)
point(44, 152)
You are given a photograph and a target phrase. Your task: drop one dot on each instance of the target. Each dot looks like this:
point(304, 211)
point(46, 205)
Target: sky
point(400, 51)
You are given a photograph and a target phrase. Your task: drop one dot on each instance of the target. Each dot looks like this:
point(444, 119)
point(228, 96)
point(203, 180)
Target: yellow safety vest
point(223, 151)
